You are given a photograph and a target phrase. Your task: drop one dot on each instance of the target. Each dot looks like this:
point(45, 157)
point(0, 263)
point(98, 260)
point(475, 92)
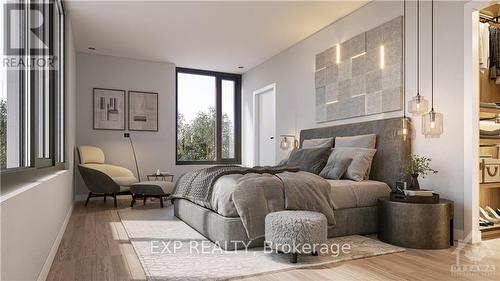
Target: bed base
point(229, 233)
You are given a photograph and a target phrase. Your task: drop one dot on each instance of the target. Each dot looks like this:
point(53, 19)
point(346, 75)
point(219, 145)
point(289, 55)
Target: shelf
point(489, 110)
point(489, 141)
point(490, 185)
point(496, 226)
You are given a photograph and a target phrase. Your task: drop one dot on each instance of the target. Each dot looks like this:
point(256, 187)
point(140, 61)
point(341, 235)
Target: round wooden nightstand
point(416, 225)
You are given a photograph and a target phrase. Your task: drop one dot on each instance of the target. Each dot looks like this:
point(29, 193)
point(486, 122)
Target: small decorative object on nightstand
point(418, 166)
point(160, 176)
point(416, 225)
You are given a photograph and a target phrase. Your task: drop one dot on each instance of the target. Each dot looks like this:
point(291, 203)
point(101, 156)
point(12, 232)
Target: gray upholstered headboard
point(392, 151)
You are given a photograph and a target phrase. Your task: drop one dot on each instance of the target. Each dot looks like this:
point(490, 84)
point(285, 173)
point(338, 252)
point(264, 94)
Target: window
point(208, 117)
point(32, 85)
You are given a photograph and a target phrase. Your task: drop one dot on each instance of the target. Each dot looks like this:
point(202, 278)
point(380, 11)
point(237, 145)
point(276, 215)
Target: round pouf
point(296, 232)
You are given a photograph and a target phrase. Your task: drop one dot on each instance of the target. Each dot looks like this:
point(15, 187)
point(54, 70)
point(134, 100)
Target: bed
point(354, 204)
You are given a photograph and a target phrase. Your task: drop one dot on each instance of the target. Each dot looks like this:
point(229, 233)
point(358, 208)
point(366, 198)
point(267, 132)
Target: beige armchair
point(103, 179)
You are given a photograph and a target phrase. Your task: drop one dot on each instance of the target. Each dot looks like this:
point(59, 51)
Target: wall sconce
point(288, 142)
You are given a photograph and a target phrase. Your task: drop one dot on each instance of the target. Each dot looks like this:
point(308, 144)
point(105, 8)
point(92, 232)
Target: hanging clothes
point(484, 45)
point(494, 52)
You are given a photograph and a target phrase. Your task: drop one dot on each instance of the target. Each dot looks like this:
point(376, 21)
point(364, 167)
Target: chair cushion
point(125, 181)
point(111, 170)
point(91, 154)
point(152, 187)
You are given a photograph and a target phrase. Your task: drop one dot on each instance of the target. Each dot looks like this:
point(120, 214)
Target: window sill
point(21, 181)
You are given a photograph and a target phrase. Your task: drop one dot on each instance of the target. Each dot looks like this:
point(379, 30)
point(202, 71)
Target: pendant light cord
point(418, 47)
point(432, 55)
point(404, 59)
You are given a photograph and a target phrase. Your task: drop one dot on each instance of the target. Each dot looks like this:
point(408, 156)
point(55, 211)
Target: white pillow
point(359, 168)
point(363, 141)
point(318, 143)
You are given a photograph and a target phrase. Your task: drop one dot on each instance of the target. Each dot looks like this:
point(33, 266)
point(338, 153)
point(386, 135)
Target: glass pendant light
point(432, 122)
point(418, 105)
point(404, 130)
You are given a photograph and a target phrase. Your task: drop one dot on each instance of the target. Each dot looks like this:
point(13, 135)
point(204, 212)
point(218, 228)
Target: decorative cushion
point(152, 187)
point(124, 181)
point(295, 228)
point(359, 168)
point(336, 166)
point(310, 160)
point(317, 143)
point(362, 141)
point(91, 154)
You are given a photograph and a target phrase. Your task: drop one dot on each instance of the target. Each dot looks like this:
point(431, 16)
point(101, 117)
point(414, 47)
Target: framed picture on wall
point(109, 109)
point(142, 111)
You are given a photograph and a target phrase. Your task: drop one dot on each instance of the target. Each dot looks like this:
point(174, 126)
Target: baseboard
point(81, 197)
point(52, 254)
point(458, 235)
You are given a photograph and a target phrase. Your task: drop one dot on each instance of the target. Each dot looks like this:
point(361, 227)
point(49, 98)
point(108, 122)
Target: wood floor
point(96, 247)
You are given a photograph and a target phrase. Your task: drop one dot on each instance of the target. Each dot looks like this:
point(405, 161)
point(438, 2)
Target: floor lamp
point(127, 135)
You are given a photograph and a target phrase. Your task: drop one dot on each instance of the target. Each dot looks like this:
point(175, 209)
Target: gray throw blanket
point(261, 191)
point(197, 186)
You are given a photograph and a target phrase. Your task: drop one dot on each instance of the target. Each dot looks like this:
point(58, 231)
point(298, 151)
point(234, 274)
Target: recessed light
point(91, 48)
point(241, 67)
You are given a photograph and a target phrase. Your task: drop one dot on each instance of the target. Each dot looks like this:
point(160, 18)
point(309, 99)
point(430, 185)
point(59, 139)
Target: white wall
point(293, 72)
point(33, 217)
point(155, 150)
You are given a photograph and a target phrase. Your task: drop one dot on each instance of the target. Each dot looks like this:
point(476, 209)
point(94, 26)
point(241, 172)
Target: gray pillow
point(363, 141)
point(359, 168)
point(317, 143)
point(311, 160)
point(335, 167)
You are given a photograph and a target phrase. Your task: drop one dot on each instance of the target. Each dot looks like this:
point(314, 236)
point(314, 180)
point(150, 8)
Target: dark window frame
point(56, 93)
point(219, 76)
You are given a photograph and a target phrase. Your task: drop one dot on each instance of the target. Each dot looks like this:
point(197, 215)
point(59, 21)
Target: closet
point(489, 60)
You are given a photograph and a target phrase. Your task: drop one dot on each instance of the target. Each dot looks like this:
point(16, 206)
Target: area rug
point(169, 249)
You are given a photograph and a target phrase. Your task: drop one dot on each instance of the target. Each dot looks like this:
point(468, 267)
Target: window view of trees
point(207, 117)
point(196, 139)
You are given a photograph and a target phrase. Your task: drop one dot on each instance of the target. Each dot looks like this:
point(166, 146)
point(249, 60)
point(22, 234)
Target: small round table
point(162, 176)
point(416, 225)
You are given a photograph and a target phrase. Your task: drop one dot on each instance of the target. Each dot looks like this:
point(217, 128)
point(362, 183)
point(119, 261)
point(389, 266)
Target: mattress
point(346, 193)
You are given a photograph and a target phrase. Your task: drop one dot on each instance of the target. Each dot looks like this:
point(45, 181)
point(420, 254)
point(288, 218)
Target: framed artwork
point(109, 109)
point(142, 111)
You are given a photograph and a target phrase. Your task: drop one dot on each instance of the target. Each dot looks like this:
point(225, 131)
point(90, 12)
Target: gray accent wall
point(293, 72)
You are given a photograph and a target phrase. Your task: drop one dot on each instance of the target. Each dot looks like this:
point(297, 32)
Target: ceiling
point(216, 36)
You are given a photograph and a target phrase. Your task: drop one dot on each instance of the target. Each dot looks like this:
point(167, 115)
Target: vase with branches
point(418, 166)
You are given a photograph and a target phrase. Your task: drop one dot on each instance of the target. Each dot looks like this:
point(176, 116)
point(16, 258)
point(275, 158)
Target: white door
point(265, 118)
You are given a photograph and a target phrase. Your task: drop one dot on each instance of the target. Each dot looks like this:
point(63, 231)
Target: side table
point(416, 225)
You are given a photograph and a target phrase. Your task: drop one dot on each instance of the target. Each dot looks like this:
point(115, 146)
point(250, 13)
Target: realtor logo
point(27, 36)
point(15, 20)
point(474, 264)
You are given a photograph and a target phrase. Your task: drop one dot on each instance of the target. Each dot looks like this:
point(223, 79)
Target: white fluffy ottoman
point(296, 232)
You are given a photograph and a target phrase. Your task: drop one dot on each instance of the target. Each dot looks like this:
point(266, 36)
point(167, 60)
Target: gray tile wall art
point(361, 76)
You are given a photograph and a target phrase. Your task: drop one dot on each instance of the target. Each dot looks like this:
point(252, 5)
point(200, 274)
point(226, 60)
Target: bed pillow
point(311, 160)
point(363, 141)
point(317, 143)
point(336, 166)
point(359, 168)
